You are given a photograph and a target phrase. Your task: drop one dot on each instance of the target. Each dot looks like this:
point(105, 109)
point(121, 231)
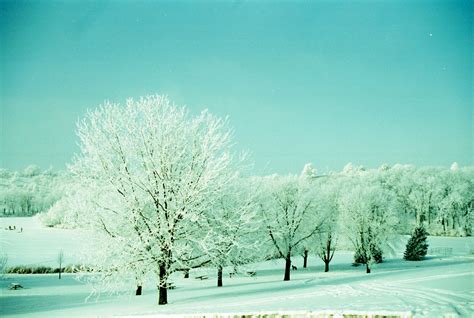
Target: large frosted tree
point(159, 169)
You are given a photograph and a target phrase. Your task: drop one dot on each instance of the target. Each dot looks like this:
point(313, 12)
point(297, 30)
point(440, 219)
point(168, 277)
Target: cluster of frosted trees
point(164, 192)
point(30, 191)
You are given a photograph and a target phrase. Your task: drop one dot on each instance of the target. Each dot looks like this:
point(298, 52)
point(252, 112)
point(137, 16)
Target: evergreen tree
point(375, 251)
point(417, 246)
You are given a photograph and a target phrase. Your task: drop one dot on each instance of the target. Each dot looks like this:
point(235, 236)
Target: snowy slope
point(36, 244)
point(438, 286)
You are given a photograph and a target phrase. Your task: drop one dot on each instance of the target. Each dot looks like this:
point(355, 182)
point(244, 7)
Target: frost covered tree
point(368, 217)
point(30, 191)
point(288, 209)
point(31, 171)
point(328, 202)
point(309, 171)
point(398, 180)
point(421, 197)
point(454, 197)
point(228, 231)
point(310, 174)
point(157, 170)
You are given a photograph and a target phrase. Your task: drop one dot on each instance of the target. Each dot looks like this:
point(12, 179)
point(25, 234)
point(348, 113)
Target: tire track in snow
point(444, 300)
point(339, 292)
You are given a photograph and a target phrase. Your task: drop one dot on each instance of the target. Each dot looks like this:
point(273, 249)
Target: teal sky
point(327, 82)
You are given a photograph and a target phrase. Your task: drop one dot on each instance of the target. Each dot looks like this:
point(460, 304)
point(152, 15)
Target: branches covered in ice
point(159, 171)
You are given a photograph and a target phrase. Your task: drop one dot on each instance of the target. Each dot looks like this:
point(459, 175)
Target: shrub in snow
point(417, 247)
point(361, 258)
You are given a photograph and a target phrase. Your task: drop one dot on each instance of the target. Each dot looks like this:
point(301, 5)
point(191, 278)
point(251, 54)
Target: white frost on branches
point(158, 171)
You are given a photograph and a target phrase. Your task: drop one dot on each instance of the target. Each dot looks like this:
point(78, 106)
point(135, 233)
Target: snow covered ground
point(441, 285)
point(31, 243)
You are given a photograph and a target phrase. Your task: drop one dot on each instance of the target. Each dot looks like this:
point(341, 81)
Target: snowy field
point(441, 285)
point(31, 243)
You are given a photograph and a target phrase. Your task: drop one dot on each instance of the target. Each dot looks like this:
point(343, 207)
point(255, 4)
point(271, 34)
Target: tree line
point(30, 191)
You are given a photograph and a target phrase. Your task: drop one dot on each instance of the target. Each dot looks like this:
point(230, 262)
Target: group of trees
point(30, 191)
point(165, 192)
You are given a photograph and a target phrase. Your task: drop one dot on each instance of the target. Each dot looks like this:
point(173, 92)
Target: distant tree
point(454, 197)
point(3, 263)
point(422, 195)
point(227, 233)
point(367, 219)
point(31, 171)
point(328, 202)
point(288, 209)
point(454, 166)
point(29, 192)
point(60, 262)
point(309, 171)
point(417, 247)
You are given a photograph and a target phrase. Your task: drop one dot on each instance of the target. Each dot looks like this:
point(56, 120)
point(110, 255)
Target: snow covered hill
point(30, 243)
point(441, 285)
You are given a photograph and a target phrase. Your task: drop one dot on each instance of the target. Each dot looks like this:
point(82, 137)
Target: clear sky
point(327, 82)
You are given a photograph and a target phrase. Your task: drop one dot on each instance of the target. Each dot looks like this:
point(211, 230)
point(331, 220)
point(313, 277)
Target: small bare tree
point(3, 264)
point(326, 248)
point(60, 262)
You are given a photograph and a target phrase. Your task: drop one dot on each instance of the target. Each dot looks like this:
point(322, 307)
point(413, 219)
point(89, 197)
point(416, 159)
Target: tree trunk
point(327, 257)
point(163, 289)
point(305, 258)
point(287, 267)
point(138, 292)
point(367, 268)
point(219, 276)
point(186, 273)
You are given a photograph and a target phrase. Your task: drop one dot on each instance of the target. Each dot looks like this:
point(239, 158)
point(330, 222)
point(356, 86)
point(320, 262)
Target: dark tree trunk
point(305, 258)
point(186, 273)
point(163, 289)
point(138, 291)
point(287, 267)
point(367, 268)
point(219, 276)
point(328, 257)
